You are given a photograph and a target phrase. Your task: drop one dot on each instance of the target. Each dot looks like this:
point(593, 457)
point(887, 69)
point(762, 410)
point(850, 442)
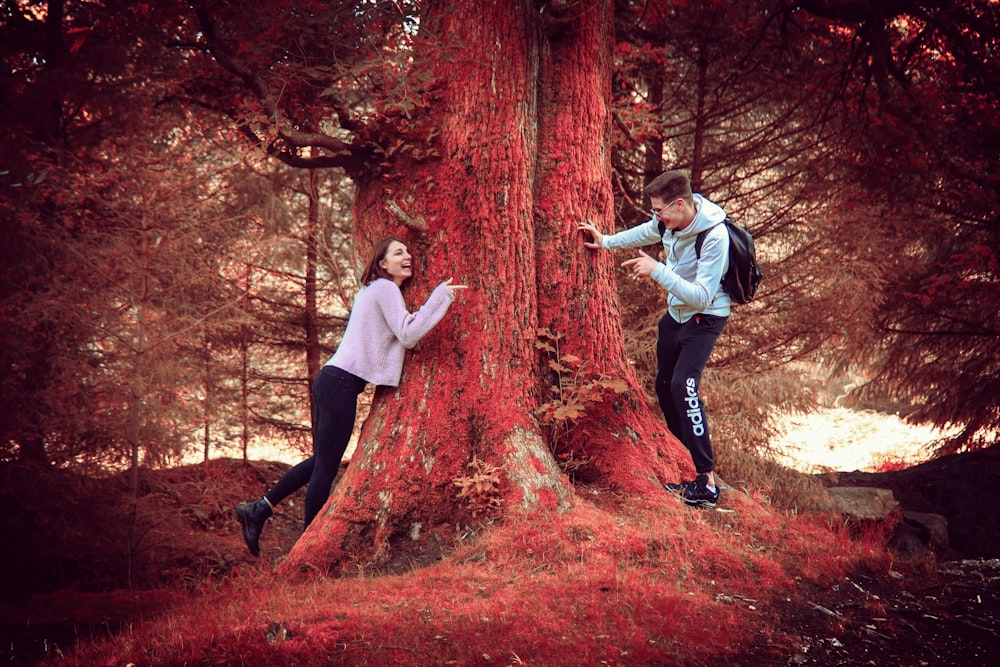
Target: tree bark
point(520, 126)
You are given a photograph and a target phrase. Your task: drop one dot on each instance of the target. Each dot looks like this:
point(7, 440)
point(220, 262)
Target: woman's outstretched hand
point(453, 288)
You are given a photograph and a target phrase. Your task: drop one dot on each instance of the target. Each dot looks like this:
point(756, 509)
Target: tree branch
point(339, 153)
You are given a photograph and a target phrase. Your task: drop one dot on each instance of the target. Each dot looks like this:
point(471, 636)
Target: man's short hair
point(670, 185)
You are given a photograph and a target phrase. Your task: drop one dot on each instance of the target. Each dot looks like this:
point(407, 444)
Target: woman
point(378, 332)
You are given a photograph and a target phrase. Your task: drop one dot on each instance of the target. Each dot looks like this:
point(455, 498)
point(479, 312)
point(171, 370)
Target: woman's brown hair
point(373, 270)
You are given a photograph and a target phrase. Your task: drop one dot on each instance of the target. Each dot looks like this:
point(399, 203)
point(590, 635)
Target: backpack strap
point(700, 239)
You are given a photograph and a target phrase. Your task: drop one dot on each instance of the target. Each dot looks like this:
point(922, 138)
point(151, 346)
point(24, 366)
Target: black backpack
point(744, 274)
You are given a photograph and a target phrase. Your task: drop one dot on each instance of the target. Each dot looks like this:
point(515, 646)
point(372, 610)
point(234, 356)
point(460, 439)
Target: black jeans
point(335, 401)
point(682, 351)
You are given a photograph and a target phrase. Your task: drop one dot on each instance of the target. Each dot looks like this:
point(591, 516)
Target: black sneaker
point(697, 494)
point(678, 488)
point(252, 517)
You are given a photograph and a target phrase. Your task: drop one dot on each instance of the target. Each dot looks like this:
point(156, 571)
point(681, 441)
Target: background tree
point(919, 89)
point(76, 176)
point(296, 274)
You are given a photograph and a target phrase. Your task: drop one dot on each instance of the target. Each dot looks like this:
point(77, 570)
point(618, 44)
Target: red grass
point(629, 582)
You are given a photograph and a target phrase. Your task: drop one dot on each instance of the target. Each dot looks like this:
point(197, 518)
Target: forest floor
point(928, 611)
point(931, 611)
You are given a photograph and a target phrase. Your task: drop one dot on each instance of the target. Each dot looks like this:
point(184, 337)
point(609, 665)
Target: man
point(697, 311)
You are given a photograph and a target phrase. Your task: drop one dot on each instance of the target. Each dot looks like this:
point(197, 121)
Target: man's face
point(672, 213)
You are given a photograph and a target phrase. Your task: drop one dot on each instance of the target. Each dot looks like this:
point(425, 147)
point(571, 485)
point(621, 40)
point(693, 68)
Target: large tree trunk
point(522, 123)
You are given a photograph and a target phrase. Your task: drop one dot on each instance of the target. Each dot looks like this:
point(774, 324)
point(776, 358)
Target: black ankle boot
point(252, 517)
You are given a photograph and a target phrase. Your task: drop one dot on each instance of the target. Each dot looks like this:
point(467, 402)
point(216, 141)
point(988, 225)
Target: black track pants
point(335, 401)
point(682, 350)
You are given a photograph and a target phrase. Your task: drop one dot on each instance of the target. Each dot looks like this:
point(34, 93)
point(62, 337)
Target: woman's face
point(397, 262)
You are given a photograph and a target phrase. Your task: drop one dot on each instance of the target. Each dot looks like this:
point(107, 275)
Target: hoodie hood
point(709, 215)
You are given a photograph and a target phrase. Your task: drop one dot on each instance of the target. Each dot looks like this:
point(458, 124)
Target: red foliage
point(613, 580)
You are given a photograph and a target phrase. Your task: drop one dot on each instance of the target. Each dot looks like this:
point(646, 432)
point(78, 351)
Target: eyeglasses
point(657, 211)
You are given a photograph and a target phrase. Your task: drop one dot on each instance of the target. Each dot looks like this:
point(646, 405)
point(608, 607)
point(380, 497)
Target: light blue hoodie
point(693, 285)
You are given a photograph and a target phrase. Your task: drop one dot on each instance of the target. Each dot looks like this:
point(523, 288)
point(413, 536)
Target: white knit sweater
point(380, 330)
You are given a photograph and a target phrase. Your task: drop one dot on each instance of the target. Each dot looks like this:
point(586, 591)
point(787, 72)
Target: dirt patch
point(913, 615)
point(920, 612)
